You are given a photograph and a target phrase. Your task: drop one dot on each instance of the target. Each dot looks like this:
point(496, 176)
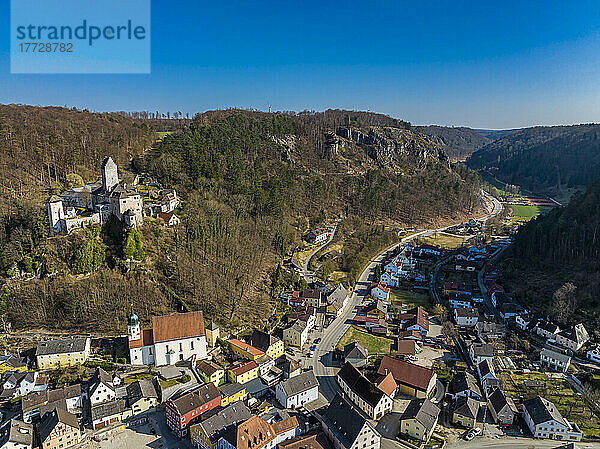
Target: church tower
point(56, 214)
point(110, 176)
point(133, 327)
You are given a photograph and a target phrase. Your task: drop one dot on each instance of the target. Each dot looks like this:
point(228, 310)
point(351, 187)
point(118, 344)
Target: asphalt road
point(306, 273)
point(513, 443)
point(322, 358)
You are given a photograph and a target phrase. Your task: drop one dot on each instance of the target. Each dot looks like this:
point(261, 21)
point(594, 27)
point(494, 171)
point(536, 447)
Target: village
point(425, 350)
point(423, 361)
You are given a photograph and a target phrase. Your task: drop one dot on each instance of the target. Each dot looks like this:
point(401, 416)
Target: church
point(171, 339)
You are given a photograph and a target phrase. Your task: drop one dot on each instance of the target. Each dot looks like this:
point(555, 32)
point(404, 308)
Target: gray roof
point(355, 350)
point(298, 326)
point(343, 421)
point(337, 297)
point(106, 409)
point(547, 326)
point(483, 350)
point(143, 388)
point(468, 407)
point(542, 410)
point(300, 383)
point(463, 381)
point(423, 410)
point(62, 346)
point(21, 432)
point(231, 415)
point(360, 385)
point(466, 312)
point(230, 389)
point(50, 420)
point(555, 355)
point(497, 400)
point(578, 334)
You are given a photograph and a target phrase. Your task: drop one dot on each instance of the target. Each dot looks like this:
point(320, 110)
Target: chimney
point(386, 371)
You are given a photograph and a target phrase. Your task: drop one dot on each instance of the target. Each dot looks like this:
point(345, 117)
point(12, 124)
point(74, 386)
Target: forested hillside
point(457, 142)
point(543, 157)
point(47, 149)
point(251, 185)
point(558, 249)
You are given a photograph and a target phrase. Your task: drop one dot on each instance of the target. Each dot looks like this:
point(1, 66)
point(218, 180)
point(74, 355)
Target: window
point(192, 345)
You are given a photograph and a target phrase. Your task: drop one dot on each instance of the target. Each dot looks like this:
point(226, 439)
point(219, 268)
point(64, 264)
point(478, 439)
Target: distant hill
point(495, 134)
point(457, 142)
point(557, 248)
point(543, 157)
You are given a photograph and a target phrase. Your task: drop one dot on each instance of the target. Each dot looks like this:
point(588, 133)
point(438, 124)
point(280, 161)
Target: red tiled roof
point(387, 384)
point(243, 367)
point(406, 373)
point(245, 347)
point(406, 347)
point(178, 326)
point(146, 340)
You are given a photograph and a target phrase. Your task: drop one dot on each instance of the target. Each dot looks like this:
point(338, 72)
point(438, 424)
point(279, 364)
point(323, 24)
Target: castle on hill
point(95, 204)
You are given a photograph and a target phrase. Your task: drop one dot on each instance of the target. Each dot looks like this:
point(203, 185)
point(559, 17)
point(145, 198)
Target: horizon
point(491, 66)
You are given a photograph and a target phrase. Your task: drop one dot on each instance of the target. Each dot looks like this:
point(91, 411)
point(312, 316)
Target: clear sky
point(486, 64)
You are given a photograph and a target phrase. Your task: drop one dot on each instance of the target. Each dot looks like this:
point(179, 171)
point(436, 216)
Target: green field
point(410, 298)
point(527, 212)
point(373, 343)
point(444, 241)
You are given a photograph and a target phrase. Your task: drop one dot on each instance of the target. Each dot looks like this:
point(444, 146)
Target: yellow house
point(242, 372)
point(60, 353)
point(419, 419)
point(244, 350)
point(211, 372)
point(232, 392)
point(465, 412)
point(12, 363)
point(269, 344)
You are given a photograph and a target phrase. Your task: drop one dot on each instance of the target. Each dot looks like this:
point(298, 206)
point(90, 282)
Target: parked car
point(313, 348)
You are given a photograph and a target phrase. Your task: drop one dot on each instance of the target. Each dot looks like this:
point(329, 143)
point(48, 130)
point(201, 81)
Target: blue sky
point(484, 64)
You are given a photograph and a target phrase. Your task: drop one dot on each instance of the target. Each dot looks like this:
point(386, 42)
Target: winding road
point(322, 359)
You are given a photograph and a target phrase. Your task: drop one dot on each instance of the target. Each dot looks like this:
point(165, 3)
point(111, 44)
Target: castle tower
point(56, 214)
point(133, 327)
point(110, 175)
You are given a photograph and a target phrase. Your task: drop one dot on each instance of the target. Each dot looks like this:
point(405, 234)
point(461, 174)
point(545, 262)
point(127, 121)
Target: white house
point(381, 291)
point(456, 299)
point(390, 278)
point(100, 387)
point(347, 428)
point(480, 352)
point(298, 390)
point(173, 338)
point(296, 334)
point(593, 354)
point(370, 398)
point(466, 316)
point(546, 329)
point(545, 421)
point(554, 360)
point(21, 384)
point(573, 338)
